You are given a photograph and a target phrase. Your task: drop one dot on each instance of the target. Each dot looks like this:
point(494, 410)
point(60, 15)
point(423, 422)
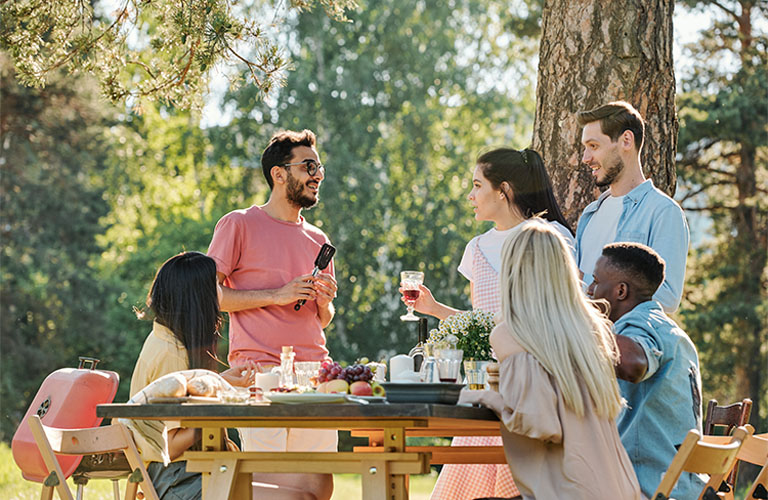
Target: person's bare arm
point(241, 375)
point(325, 314)
point(325, 289)
point(427, 304)
point(632, 364)
point(181, 439)
point(233, 300)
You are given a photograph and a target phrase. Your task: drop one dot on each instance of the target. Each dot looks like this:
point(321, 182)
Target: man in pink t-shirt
point(264, 258)
point(265, 255)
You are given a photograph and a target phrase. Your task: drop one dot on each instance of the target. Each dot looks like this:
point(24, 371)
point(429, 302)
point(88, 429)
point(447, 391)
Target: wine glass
point(410, 281)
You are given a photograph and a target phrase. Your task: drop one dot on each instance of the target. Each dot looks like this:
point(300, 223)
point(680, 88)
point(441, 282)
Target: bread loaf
point(205, 385)
point(172, 385)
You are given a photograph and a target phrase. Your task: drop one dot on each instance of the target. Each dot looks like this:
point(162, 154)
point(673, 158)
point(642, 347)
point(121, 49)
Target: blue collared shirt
point(652, 218)
point(666, 404)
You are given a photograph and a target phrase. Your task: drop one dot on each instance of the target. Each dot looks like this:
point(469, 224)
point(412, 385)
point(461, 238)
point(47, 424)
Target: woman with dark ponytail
point(509, 187)
point(184, 300)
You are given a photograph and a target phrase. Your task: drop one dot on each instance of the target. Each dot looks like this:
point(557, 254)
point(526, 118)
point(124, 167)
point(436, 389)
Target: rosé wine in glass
point(411, 295)
point(410, 281)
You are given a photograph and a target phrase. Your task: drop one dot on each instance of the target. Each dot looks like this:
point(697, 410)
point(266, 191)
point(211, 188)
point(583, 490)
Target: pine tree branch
point(711, 208)
point(184, 72)
point(174, 81)
point(249, 64)
point(693, 153)
point(693, 194)
point(92, 43)
point(695, 164)
point(717, 171)
point(726, 9)
point(143, 66)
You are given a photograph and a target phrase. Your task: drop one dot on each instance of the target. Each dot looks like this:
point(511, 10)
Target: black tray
point(411, 392)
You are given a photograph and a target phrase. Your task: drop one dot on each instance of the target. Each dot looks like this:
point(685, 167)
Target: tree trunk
point(593, 52)
point(753, 239)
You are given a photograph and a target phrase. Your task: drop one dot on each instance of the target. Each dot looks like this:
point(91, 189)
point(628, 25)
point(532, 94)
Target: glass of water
point(305, 372)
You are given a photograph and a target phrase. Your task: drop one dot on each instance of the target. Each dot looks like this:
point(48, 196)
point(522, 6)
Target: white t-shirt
point(600, 231)
point(490, 244)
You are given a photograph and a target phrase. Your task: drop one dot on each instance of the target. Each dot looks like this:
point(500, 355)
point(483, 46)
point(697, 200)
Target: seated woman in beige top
point(558, 396)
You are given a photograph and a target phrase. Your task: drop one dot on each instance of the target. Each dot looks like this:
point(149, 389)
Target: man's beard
point(296, 196)
point(612, 171)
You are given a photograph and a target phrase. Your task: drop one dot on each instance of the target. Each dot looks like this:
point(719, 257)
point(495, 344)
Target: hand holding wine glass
point(424, 304)
point(410, 284)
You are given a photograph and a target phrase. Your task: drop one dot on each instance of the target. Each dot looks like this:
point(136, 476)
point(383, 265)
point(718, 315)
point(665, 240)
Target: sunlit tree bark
point(593, 52)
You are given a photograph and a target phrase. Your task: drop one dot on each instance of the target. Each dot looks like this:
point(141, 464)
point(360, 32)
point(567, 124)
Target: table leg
point(397, 484)
point(214, 439)
point(376, 480)
point(221, 483)
point(244, 486)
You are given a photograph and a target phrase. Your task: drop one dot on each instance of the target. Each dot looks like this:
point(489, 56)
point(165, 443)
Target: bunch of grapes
point(329, 370)
point(356, 372)
point(332, 370)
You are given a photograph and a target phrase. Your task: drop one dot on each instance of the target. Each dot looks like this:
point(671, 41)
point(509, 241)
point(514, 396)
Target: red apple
point(361, 388)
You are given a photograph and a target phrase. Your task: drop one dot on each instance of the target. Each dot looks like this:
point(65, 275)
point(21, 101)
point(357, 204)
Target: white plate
point(184, 399)
point(307, 397)
point(372, 399)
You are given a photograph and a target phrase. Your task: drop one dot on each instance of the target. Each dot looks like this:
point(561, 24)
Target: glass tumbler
point(305, 372)
point(449, 364)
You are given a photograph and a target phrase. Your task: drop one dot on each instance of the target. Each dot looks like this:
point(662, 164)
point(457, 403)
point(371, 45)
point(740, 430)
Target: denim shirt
point(652, 218)
point(666, 404)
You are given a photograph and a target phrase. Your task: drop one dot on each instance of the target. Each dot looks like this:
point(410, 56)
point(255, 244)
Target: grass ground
point(14, 487)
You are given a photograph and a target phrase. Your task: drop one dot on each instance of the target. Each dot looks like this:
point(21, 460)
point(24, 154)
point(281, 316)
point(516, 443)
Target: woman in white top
point(508, 188)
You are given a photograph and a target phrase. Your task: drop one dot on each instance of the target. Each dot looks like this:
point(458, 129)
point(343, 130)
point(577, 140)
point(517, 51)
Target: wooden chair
point(698, 456)
point(720, 421)
point(107, 439)
point(754, 451)
point(759, 489)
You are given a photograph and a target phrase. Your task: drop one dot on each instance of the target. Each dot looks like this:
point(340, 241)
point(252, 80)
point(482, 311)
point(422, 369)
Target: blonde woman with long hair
point(558, 396)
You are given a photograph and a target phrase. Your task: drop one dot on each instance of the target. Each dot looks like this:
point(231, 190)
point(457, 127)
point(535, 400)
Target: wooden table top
point(344, 411)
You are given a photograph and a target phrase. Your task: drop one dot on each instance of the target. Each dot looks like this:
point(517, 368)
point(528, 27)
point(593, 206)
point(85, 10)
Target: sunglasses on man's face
point(311, 165)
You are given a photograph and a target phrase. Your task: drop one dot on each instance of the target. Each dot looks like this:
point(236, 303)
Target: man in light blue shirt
point(632, 209)
point(658, 370)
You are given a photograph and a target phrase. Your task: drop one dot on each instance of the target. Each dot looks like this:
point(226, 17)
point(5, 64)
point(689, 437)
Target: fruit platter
point(356, 379)
point(362, 382)
point(332, 383)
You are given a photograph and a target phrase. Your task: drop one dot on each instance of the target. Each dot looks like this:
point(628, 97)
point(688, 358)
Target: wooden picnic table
point(384, 464)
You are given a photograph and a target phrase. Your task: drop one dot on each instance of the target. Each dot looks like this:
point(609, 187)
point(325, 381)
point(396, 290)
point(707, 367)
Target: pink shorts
point(291, 439)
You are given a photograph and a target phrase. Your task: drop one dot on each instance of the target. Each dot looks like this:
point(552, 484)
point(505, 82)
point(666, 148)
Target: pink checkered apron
point(469, 481)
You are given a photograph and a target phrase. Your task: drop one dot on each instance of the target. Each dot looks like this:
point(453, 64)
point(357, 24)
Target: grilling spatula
point(321, 262)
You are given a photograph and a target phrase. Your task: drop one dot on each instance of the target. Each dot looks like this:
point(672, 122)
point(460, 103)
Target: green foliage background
point(98, 197)
point(723, 172)
point(95, 197)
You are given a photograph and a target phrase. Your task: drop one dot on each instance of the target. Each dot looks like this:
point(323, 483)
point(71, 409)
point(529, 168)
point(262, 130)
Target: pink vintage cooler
point(67, 400)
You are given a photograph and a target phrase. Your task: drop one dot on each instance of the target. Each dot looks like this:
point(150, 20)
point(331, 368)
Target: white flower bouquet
point(466, 330)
